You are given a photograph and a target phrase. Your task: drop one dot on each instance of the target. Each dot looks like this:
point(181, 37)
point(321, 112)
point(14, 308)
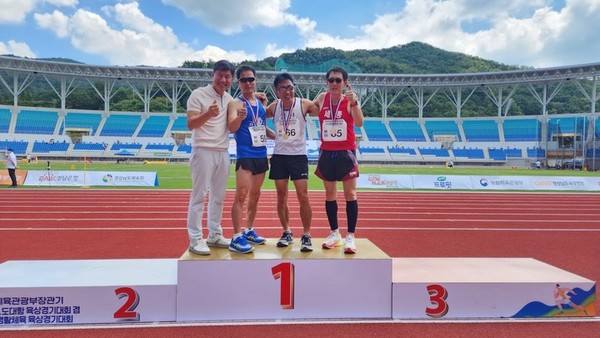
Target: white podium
point(284, 283)
point(87, 291)
point(487, 288)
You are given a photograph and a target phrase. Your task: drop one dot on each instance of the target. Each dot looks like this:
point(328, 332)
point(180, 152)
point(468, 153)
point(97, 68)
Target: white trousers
point(210, 172)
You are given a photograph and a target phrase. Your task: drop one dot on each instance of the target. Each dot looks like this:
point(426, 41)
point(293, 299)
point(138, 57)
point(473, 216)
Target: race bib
point(334, 130)
point(292, 132)
point(258, 135)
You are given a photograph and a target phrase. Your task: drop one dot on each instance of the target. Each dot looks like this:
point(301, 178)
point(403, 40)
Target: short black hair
point(244, 68)
point(337, 70)
point(282, 77)
point(223, 65)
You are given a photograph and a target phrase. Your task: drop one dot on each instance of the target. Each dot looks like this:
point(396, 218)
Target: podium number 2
point(437, 297)
point(285, 272)
point(127, 311)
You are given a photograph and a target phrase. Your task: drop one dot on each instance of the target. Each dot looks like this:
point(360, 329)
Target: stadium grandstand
point(500, 139)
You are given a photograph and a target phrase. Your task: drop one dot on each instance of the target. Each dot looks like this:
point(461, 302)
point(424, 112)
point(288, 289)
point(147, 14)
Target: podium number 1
point(285, 272)
point(127, 311)
point(437, 297)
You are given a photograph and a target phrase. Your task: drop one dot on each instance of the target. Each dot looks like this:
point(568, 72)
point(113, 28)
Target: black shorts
point(338, 165)
point(294, 167)
point(254, 165)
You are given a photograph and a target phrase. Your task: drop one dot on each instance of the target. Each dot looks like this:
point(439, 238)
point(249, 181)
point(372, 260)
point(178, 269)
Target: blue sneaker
point(240, 245)
point(252, 237)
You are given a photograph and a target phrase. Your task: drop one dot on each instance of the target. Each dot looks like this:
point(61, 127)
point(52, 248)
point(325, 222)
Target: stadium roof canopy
point(17, 73)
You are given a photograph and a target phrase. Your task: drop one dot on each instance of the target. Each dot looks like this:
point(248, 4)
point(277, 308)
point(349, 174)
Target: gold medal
point(285, 136)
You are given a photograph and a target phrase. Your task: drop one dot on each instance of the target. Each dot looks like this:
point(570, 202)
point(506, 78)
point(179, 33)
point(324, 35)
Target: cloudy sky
point(537, 33)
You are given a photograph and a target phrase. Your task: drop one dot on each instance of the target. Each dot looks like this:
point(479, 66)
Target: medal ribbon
point(286, 119)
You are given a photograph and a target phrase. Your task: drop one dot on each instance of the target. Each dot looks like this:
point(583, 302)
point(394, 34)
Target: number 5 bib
point(258, 135)
point(334, 130)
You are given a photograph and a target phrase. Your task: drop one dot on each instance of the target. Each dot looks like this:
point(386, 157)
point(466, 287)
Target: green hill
point(412, 58)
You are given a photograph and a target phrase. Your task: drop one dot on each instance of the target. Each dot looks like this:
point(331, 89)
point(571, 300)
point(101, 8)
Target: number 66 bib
point(334, 130)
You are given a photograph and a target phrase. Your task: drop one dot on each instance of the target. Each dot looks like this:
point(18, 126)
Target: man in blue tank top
point(247, 120)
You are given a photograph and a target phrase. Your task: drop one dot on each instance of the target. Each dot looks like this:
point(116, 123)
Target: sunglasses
point(334, 79)
point(286, 89)
point(247, 79)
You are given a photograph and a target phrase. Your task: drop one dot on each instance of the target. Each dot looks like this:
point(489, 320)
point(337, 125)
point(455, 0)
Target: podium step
point(284, 283)
point(87, 291)
point(487, 288)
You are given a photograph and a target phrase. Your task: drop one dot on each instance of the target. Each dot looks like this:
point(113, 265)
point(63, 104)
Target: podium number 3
point(127, 311)
point(285, 272)
point(437, 297)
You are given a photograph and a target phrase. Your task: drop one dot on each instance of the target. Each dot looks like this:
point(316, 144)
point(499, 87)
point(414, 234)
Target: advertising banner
point(465, 182)
point(55, 178)
point(5, 179)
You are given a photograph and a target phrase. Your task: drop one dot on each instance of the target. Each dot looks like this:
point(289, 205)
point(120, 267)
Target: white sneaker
point(334, 239)
point(200, 248)
point(217, 240)
point(350, 245)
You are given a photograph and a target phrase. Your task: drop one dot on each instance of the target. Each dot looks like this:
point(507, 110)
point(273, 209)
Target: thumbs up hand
point(213, 109)
point(351, 96)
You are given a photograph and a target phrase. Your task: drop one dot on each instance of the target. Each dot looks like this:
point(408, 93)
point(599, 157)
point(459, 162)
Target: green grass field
point(177, 175)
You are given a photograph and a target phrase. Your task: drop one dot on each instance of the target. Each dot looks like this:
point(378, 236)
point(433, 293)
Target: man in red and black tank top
point(339, 113)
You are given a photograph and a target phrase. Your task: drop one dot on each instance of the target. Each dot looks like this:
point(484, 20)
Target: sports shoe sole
point(256, 242)
point(350, 250)
point(284, 244)
point(325, 246)
point(241, 252)
point(202, 253)
point(215, 245)
point(306, 249)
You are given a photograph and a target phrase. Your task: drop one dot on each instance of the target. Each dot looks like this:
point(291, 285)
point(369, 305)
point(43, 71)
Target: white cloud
point(140, 41)
point(232, 16)
point(273, 50)
point(519, 32)
point(16, 48)
point(56, 22)
point(229, 17)
point(15, 11)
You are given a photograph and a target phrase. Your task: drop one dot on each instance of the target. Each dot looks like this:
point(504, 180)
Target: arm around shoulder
point(310, 107)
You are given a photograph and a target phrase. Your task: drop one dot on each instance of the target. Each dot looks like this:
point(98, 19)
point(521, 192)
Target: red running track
point(560, 229)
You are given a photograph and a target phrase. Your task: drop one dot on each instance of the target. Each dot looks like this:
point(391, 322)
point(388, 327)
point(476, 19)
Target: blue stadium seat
point(408, 130)
point(157, 146)
point(522, 129)
point(89, 121)
point(120, 125)
point(376, 131)
point(180, 124)
point(442, 127)
point(402, 150)
point(36, 122)
point(5, 116)
point(438, 152)
point(481, 130)
point(154, 126)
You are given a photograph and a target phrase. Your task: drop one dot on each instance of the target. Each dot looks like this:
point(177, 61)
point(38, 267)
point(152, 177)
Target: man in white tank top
point(289, 160)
